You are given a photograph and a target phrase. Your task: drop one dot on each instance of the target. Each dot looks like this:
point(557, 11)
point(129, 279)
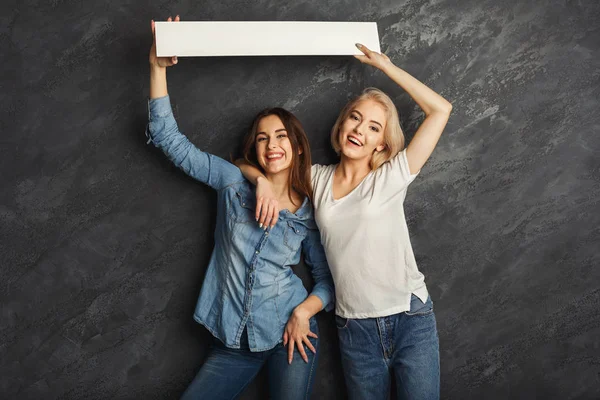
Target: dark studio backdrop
point(104, 244)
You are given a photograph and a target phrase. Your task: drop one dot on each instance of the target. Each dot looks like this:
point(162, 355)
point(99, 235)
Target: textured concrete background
point(104, 244)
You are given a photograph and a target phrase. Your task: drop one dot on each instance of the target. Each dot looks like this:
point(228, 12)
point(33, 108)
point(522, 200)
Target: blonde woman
point(384, 314)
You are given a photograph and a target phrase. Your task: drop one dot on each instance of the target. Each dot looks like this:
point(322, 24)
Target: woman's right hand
point(377, 60)
point(267, 205)
point(160, 62)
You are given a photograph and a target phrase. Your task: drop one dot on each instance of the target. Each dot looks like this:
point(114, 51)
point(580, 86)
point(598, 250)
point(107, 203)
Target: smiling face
point(277, 144)
point(364, 118)
point(274, 150)
point(361, 133)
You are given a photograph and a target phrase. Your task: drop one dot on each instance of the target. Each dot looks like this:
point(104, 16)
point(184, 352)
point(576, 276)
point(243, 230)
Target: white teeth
point(274, 156)
point(356, 142)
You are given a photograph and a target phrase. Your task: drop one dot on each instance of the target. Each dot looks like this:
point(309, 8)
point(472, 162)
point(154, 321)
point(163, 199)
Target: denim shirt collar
point(303, 213)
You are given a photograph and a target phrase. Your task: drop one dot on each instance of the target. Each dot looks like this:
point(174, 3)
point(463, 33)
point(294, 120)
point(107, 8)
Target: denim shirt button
point(256, 251)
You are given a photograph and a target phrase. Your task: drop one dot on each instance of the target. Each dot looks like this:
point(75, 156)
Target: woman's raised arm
point(163, 132)
point(437, 109)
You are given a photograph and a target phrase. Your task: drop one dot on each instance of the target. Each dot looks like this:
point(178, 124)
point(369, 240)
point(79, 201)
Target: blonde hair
point(393, 137)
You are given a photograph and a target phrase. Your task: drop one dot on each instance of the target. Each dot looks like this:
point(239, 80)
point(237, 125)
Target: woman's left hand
point(296, 334)
point(378, 60)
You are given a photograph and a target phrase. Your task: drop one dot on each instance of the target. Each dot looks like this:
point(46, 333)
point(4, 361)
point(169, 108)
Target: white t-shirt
point(366, 241)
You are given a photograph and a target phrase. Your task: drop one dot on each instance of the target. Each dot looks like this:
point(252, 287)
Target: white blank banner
point(264, 38)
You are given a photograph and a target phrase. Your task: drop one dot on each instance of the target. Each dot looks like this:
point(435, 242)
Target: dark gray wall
point(104, 244)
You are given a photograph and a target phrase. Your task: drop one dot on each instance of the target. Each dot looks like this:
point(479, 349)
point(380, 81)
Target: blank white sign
point(264, 38)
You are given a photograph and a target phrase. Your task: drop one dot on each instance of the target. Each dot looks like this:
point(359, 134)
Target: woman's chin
point(353, 155)
point(275, 170)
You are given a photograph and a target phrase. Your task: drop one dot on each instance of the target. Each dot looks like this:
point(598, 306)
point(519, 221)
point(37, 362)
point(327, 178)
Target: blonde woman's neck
point(350, 170)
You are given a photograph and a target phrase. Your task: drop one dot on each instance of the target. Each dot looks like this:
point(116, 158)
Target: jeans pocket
point(341, 322)
point(417, 307)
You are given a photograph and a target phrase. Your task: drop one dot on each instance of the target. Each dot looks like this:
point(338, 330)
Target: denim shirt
point(249, 282)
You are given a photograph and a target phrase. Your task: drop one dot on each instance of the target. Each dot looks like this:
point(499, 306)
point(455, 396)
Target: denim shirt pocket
point(243, 207)
point(295, 232)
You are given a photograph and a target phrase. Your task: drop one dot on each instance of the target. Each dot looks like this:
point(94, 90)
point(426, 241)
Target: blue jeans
point(405, 344)
point(226, 372)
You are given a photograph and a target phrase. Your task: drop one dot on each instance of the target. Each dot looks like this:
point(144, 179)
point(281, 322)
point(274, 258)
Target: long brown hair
point(301, 161)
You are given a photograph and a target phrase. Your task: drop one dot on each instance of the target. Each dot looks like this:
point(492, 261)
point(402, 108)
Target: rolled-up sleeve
point(314, 256)
point(163, 132)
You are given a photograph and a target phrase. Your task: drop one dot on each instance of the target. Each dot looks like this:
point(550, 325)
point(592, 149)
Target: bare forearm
point(309, 307)
point(250, 172)
point(436, 108)
point(437, 111)
point(429, 101)
point(158, 82)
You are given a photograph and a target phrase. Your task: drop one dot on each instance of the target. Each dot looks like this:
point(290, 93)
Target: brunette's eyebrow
point(278, 130)
point(358, 112)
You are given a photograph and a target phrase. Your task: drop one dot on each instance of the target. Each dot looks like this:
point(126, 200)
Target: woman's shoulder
point(397, 167)
point(319, 170)
point(241, 186)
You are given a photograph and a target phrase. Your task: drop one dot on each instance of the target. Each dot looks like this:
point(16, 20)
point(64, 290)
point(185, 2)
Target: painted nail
point(260, 225)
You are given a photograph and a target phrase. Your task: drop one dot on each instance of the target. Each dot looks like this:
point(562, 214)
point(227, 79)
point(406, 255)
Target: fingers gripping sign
point(161, 61)
point(377, 60)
